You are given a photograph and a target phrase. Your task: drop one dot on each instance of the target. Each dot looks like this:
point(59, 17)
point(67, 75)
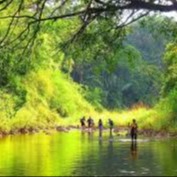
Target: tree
point(151, 35)
point(170, 74)
point(31, 14)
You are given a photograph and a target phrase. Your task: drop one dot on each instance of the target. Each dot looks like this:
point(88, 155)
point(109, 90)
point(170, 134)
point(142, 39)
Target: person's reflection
point(90, 135)
point(100, 142)
point(100, 127)
point(110, 136)
point(83, 136)
point(133, 149)
point(110, 147)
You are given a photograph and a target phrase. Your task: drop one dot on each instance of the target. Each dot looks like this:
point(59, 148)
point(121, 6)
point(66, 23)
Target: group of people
point(89, 123)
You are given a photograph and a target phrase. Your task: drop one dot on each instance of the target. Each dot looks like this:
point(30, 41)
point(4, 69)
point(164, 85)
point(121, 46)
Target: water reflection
point(133, 149)
point(111, 149)
point(100, 133)
point(90, 135)
point(77, 153)
point(110, 133)
point(110, 136)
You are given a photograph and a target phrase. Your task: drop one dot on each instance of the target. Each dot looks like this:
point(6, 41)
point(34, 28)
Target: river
point(84, 154)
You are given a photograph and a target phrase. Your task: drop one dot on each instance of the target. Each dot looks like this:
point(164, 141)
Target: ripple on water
point(145, 169)
point(127, 172)
point(129, 140)
point(74, 154)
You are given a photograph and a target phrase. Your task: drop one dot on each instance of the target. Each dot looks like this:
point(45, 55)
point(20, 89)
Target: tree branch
point(38, 11)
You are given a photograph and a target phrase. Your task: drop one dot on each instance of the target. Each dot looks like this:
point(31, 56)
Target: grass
point(145, 117)
point(41, 118)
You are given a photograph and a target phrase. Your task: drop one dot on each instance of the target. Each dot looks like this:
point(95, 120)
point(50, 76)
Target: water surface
point(78, 154)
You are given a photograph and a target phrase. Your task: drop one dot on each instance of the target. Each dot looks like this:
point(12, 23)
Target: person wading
point(82, 122)
point(134, 130)
point(100, 127)
point(111, 125)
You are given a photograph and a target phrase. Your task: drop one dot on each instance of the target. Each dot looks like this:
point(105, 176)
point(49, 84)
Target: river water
point(84, 154)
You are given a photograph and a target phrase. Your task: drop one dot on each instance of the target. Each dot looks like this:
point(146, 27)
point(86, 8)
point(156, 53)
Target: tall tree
point(30, 14)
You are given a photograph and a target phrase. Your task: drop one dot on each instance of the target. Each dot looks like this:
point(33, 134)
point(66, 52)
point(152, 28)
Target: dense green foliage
point(122, 71)
point(104, 69)
point(34, 91)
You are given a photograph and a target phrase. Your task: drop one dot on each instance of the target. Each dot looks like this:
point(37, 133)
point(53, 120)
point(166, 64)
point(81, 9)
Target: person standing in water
point(100, 127)
point(90, 124)
point(134, 130)
point(111, 125)
point(82, 121)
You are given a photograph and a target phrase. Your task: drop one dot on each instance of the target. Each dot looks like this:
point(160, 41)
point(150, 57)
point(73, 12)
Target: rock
point(73, 126)
point(13, 132)
point(23, 130)
point(62, 129)
point(47, 132)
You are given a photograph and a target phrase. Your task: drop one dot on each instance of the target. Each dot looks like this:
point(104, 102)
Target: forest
point(59, 63)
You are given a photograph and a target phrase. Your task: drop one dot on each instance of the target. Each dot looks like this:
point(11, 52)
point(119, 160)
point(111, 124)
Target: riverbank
point(151, 123)
point(117, 131)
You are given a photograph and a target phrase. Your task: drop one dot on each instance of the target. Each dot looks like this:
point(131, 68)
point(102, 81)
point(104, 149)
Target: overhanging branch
point(38, 11)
